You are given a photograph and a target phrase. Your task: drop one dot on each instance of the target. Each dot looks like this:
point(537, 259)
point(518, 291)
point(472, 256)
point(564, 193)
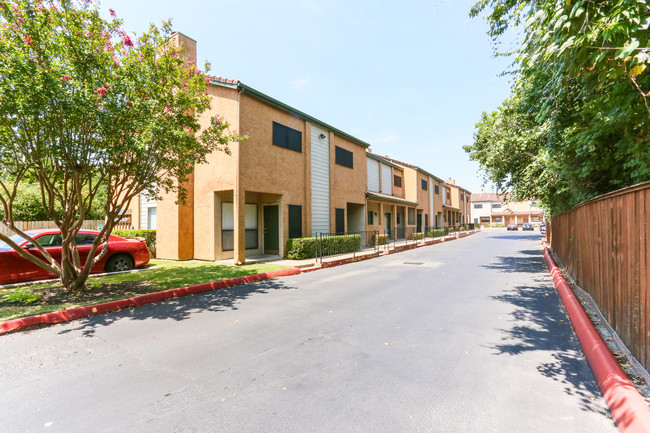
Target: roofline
point(414, 167)
point(460, 187)
point(181, 33)
point(243, 88)
point(391, 199)
point(383, 160)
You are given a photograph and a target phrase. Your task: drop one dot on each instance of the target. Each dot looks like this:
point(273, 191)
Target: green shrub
point(306, 248)
point(22, 296)
point(379, 239)
point(436, 233)
point(416, 236)
point(148, 235)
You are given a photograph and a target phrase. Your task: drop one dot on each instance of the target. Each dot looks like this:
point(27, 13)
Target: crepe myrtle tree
point(88, 112)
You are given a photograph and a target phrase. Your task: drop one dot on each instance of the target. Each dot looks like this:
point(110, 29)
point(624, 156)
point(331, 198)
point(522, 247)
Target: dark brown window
point(344, 157)
point(286, 137)
point(397, 181)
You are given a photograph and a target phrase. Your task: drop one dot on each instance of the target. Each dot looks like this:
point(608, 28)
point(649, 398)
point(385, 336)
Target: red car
point(122, 255)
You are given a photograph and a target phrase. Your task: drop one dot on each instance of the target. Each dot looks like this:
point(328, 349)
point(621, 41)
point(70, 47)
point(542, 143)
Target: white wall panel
point(386, 179)
point(320, 181)
point(373, 175)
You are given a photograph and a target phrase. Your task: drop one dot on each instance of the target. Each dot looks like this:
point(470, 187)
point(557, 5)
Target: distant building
point(496, 210)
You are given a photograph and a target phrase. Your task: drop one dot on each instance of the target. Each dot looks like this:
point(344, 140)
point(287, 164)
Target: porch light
point(321, 136)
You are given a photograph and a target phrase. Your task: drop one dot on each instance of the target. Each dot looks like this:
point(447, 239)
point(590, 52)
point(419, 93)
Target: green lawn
point(158, 276)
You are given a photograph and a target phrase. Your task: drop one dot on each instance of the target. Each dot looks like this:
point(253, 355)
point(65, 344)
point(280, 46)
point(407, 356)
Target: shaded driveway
point(465, 336)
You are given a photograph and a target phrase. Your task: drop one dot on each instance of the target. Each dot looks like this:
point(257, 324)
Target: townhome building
point(425, 189)
point(294, 176)
point(457, 204)
point(497, 210)
point(389, 211)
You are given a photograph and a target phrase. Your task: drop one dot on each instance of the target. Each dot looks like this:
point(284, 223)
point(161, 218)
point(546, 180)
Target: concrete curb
point(629, 409)
point(150, 298)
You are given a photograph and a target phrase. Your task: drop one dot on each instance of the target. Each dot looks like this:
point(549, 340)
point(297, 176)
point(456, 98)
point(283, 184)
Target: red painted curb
point(629, 409)
point(149, 298)
point(348, 260)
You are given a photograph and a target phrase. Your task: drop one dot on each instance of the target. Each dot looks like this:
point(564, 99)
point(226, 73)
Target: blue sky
point(410, 78)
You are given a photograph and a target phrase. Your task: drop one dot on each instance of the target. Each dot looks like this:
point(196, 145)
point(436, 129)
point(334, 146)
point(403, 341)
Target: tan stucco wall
point(422, 195)
point(347, 185)
point(176, 240)
point(267, 168)
point(219, 174)
point(437, 202)
point(398, 191)
point(410, 184)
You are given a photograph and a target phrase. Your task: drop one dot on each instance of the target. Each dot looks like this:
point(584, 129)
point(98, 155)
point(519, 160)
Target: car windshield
point(15, 238)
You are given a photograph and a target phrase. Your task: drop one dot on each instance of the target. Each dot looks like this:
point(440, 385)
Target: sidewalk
point(364, 254)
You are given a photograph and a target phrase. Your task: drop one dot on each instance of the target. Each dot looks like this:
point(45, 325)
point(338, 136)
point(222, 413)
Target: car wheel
point(119, 262)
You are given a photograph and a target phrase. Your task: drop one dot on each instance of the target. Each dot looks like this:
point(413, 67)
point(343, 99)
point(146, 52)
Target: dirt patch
point(93, 293)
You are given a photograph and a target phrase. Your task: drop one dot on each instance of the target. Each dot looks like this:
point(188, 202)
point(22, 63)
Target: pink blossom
point(112, 12)
point(27, 39)
point(65, 78)
point(198, 155)
point(127, 41)
point(128, 104)
point(101, 91)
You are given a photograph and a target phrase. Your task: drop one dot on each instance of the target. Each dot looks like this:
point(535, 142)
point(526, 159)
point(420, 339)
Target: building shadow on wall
point(540, 323)
point(181, 308)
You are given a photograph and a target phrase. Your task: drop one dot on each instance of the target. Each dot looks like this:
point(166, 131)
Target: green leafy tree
point(581, 82)
point(87, 110)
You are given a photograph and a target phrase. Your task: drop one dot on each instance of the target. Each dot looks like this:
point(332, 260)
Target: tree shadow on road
point(528, 261)
point(519, 237)
point(180, 308)
point(540, 323)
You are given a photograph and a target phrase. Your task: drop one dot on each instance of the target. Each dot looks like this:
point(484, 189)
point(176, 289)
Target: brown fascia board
point(414, 167)
point(382, 159)
point(219, 81)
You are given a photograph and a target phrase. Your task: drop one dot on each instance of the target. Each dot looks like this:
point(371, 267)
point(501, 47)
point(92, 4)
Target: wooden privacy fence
point(604, 244)
point(34, 225)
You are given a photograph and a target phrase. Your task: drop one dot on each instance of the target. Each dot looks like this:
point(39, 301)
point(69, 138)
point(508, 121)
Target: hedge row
point(380, 239)
point(306, 248)
point(148, 235)
point(435, 233)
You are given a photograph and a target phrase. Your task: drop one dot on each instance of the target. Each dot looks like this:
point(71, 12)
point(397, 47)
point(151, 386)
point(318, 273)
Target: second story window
point(437, 189)
point(286, 137)
point(496, 205)
point(397, 181)
point(344, 157)
point(424, 185)
point(478, 206)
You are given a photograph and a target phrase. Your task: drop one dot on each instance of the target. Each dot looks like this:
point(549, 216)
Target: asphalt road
point(465, 336)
